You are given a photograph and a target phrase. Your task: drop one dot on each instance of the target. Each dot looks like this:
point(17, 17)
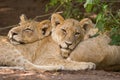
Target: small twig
point(8, 27)
point(57, 8)
point(50, 13)
point(46, 15)
point(33, 19)
point(114, 18)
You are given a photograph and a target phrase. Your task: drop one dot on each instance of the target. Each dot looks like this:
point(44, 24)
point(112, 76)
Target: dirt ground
point(10, 10)
point(9, 74)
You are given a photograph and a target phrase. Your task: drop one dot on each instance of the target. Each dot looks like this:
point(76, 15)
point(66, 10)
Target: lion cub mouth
point(65, 49)
point(14, 41)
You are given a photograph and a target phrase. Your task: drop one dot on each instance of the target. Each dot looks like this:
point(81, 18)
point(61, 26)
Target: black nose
point(68, 43)
point(14, 33)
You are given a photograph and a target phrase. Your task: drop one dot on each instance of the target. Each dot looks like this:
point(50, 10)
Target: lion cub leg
point(73, 65)
point(14, 58)
point(69, 65)
point(19, 60)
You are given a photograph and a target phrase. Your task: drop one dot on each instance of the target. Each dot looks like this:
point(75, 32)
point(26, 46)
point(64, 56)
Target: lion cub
point(27, 32)
point(69, 33)
point(96, 49)
point(46, 51)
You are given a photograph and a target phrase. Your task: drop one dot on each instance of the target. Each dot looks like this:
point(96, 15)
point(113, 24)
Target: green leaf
point(105, 7)
point(88, 2)
point(115, 40)
point(67, 0)
point(100, 25)
point(89, 5)
point(53, 2)
point(99, 17)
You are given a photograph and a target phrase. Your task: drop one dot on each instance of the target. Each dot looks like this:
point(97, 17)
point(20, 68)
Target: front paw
point(55, 68)
point(88, 66)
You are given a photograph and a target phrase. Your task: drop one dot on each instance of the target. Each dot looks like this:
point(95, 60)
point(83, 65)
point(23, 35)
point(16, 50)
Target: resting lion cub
point(68, 33)
point(44, 52)
point(26, 32)
point(96, 49)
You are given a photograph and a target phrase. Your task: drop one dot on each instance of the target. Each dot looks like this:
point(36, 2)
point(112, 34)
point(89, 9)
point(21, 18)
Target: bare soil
point(9, 74)
point(10, 10)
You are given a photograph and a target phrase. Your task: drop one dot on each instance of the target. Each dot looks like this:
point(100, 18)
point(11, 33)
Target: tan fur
point(11, 56)
point(46, 51)
point(99, 51)
point(48, 54)
point(96, 49)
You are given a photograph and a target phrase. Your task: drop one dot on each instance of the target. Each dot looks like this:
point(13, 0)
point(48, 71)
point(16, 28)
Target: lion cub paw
point(88, 66)
point(60, 67)
point(55, 68)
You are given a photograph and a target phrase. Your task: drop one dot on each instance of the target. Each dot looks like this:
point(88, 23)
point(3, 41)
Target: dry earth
point(9, 74)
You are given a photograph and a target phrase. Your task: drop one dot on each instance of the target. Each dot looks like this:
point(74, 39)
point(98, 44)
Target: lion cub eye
point(64, 30)
point(28, 29)
point(77, 34)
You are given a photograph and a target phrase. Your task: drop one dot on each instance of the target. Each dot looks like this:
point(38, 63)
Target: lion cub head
point(68, 33)
point(29, 31)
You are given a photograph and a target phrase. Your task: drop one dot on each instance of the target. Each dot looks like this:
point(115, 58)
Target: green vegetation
point(107, 20)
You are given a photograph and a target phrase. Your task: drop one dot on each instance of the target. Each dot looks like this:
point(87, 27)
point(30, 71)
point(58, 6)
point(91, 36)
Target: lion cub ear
point(56, 19)
point(88, 27)
point(87, 24)
point(23, 18)
point(45, 27)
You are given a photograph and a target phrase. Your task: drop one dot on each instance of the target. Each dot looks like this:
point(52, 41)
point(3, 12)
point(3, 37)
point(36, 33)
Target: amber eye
point(77, 34)
point(64, 30)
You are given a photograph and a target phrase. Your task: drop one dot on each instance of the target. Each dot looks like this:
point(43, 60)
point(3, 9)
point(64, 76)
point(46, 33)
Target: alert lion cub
point(46, 51)
point(27, 32)
point(96, 49)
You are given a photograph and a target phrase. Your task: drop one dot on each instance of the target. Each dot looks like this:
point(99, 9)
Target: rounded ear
point(45, 27)
point(23, 18)
point(88, 27)
point(56, 19)
point(87, 24)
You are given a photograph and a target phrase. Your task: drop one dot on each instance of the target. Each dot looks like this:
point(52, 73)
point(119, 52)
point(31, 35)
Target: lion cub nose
point(68, 43)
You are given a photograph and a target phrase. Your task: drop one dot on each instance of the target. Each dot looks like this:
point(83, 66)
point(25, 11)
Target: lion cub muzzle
point(13, 37)
point(66, 49)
